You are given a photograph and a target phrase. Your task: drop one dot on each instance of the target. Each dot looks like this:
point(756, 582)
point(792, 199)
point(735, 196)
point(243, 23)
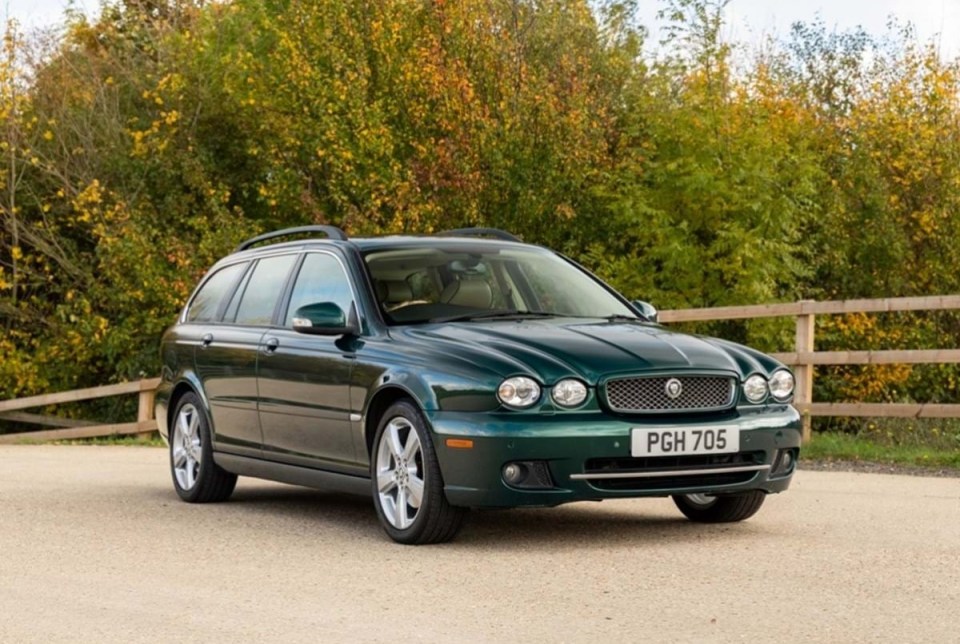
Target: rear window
point(264, 288)
point(206, 303)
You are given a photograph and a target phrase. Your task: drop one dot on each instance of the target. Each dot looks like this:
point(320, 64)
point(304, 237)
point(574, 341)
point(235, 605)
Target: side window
point(321, 279)
point(231, 313)
point(207, 301)
point(264, 287)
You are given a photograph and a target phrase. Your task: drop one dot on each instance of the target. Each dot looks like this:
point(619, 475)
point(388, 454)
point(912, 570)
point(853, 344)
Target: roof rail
point(330, 231)
point(480, 232)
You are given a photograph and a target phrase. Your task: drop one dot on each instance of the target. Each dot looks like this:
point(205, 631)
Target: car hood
point(589, 349)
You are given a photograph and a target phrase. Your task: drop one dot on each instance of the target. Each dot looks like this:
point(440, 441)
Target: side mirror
point(322, 318)
point(647, 310)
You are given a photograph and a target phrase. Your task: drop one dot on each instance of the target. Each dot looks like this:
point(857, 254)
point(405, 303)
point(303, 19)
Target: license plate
point(685, 440)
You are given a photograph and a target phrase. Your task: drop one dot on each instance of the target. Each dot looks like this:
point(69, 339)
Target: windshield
point(447, 283)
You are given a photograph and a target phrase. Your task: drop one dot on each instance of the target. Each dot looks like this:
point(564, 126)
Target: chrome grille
point(649, 394)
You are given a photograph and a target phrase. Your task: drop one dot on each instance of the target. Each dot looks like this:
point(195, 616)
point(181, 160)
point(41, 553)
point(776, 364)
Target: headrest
point(474, 293)
point(392, 291)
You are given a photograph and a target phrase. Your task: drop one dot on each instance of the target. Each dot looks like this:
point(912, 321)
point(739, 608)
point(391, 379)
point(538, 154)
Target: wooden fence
point(67, 429)
point(804, 360)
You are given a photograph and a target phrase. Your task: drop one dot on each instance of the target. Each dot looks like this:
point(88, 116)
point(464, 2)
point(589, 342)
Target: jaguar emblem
point(673, 388)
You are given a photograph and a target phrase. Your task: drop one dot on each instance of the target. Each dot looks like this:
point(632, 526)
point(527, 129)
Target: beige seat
point(474, 293)
point(393, 293)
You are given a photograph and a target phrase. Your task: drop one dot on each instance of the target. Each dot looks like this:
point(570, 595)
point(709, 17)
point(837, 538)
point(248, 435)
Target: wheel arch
point(188, 383)
point(380, 401)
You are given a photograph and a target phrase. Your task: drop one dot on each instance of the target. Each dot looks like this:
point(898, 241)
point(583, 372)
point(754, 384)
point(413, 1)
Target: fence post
point(803, 395)
point(145, 409)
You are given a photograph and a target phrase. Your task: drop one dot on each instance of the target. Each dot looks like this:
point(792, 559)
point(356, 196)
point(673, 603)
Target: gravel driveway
point(96, 547)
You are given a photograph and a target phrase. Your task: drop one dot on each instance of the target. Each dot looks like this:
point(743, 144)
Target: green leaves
point(146, 145)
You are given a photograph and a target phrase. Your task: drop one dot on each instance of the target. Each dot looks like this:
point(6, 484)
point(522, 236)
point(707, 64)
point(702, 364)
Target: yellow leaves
point(565, 211)
point(139, 148)
point(171, 117)
point(16, 252)
point(86, 204)
point(48, 135)
point(926, 224)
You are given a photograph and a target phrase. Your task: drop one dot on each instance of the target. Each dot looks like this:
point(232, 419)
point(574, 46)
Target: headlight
point(755, 388)
point(781, 385)
point(518, 392)
point(569, 392)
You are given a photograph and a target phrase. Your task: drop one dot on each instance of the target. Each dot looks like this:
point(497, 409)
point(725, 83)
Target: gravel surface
point(97, 548)
point(831, 465)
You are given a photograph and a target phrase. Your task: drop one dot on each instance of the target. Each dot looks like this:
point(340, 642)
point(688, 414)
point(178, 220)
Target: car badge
point(673, 388)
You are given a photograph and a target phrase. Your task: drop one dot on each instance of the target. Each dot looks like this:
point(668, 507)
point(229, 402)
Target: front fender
point(434, 391)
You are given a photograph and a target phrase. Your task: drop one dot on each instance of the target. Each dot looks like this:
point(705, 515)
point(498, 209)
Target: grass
point(837, 446)
point(129, 441)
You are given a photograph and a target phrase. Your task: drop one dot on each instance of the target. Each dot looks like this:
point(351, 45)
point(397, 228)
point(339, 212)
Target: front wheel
point(728, 508)
point(196, 478)
point(407, 484)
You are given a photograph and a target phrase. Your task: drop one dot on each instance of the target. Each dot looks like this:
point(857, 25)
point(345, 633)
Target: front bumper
point(576, 447)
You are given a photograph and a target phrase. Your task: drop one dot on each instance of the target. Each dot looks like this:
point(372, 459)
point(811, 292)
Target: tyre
point(407, 485)
point(728, 508)
point(196, 478)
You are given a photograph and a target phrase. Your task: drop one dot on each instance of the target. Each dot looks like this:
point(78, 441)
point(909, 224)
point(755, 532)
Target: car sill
point(292, 474)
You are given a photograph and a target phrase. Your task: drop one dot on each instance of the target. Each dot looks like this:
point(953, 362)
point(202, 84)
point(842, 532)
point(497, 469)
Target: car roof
point(420, 241)
point(390, 242)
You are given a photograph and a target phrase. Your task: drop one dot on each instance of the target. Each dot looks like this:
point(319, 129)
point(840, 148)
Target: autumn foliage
point(138, 148)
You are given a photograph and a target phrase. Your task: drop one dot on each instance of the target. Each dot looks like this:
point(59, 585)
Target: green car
point(456, 371)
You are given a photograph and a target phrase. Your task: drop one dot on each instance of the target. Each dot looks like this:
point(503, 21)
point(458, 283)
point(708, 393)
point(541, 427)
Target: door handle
point(271, 345)
point(206, 340)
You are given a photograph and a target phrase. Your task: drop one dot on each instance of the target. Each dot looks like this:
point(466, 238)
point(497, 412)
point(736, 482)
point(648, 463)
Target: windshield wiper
point(620, 317)
point(488, 315)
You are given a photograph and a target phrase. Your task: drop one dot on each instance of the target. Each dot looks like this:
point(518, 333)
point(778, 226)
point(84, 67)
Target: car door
point(232, 400)
point(227, 355)
point(304, 380)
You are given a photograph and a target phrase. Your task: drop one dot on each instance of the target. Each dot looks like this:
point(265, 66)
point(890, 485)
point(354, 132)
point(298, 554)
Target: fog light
point(514, 473)
point(527, 475)
point(785, 463)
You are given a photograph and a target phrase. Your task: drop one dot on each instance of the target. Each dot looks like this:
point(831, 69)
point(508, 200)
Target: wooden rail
point(804, 358)
point(71, 429)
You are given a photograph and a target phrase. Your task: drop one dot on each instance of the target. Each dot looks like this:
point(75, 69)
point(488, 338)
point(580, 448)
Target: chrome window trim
point(225, 263)
point(182, 319)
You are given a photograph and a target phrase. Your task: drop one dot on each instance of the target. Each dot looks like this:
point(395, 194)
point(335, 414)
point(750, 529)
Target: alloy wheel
point(186, 447)
point(703, 500)
point(400, 473)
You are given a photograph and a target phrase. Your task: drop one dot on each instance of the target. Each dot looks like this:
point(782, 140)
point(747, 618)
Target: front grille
point(667, 479)
point(646, 394)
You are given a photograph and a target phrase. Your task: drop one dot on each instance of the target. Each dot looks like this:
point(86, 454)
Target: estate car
point(455, 371)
